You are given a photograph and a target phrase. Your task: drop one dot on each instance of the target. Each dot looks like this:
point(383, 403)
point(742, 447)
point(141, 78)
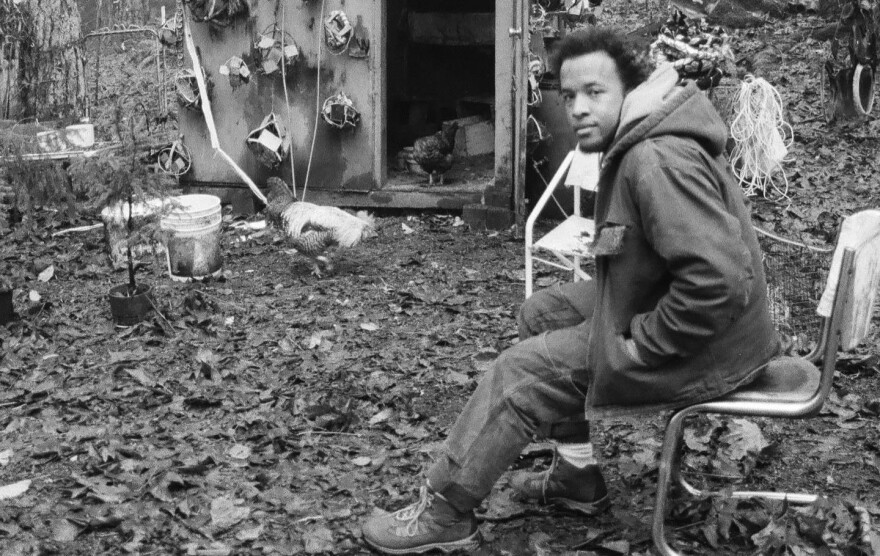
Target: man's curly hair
point(631, 64)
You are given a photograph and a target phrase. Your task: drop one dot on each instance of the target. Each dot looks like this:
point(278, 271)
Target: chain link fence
point(53, 72)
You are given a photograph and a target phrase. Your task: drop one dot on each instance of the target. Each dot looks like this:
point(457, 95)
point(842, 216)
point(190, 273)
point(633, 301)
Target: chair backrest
point(796, 275)
point(832, 333)
point(584, 170)
point(802, 280)
point(861, 233)
point(843, 301)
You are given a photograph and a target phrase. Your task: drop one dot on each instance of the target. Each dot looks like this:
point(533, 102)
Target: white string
point(762, 139)
point(317, 106)
point(287, 98)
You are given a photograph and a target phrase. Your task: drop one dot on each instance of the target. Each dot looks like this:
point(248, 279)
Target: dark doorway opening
point(440, 67)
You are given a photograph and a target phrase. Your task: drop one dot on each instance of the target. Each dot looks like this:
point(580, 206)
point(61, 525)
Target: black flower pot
point(6, 314)
point(128, 309)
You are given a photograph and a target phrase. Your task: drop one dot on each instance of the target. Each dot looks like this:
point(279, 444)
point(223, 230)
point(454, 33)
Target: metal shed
point(409, 65)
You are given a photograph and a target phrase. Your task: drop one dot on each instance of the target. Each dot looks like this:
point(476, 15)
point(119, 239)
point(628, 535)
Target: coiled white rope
point(762, 139)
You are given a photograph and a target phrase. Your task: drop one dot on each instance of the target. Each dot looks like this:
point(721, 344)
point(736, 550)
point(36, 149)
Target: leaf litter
point(268, 412)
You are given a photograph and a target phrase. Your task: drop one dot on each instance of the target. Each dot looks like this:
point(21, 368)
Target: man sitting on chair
point(677, 312)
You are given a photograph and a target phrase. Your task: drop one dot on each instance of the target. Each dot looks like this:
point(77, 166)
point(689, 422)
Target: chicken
point(434, 152)
point(315, 231)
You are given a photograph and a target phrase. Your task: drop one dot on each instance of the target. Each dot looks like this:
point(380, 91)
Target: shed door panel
point(341, 159)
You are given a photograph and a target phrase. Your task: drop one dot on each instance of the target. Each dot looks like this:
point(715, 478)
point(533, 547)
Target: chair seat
point(571, 238)
point(784, 379)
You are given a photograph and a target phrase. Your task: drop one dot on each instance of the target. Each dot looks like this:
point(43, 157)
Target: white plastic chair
point(568, 241)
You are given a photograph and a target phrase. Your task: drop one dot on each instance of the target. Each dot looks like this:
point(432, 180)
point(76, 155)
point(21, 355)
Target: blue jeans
point(535, 388)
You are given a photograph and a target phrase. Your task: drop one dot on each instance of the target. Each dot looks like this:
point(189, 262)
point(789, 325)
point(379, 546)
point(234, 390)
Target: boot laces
point(545, 479)
point(413, 512)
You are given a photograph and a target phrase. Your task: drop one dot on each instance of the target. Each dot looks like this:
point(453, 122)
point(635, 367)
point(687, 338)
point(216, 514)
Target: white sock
point(578, 455)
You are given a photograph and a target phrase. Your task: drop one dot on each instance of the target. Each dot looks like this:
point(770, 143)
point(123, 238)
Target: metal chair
point(790, 387)
point(568, 241)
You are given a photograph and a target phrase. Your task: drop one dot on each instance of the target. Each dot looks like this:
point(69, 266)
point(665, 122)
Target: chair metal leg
point(529, 269)
point(791, 497)
point(685, 485)
point(670, 471)
point(669, 463)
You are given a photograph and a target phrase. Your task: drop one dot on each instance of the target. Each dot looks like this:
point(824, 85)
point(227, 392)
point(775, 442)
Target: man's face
point(593, 94)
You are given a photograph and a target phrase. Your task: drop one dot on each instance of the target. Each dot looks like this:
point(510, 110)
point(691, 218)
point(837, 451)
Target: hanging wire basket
point(536, 72)
point(168, 34)
point(175, 159)
point(270, 142)
point(219, 12)
point(337, 32)
point(187, 86)
point(539, 22)
point(536, 135)
point(273, 47)
point(339, 112)
point(237, 71)
point(360, 42)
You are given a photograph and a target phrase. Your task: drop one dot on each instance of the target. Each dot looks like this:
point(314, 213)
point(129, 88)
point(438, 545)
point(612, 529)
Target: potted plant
point(133, 193)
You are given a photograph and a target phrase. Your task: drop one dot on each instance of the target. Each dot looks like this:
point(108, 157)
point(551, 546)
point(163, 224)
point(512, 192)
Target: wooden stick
point(77, 229)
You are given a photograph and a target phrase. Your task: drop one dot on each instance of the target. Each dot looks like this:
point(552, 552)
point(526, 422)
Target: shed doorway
point(440, 66)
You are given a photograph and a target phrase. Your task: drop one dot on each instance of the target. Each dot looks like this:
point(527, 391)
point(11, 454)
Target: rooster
point(315, 231)
point(434, 152)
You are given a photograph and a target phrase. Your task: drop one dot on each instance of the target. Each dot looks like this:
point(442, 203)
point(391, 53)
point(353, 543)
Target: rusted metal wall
point(343, 160)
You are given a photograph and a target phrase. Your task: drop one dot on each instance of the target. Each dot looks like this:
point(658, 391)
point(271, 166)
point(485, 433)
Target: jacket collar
point(646, 106)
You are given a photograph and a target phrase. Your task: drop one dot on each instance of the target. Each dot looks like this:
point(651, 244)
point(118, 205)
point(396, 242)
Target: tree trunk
point(14, 22)
point(10, 104)
point(52, 83)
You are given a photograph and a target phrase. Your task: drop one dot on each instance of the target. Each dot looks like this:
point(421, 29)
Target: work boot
point(580, 490)
point(429, 524)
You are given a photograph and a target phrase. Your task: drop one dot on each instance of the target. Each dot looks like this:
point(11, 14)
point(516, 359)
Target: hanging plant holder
point(219, 12)
point(360, 41)
point(237, 71)
point(551, 5)
point(175, 159)
point(536, 72)
point(339, 112)
point(539, 22)
point(269, 142)
point(188, 88)
point(272, 51)
point(337, 31)
point(576, 12)
point(168, 34)
point(536, 135)
point(580, 12)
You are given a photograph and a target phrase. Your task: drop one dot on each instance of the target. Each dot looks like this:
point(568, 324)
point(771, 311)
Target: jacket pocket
point(619, 357)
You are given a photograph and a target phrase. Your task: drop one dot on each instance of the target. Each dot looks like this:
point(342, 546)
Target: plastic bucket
point(80, 135)
point(193, 244)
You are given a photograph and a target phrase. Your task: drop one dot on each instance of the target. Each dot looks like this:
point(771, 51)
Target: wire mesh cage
point(796, 275)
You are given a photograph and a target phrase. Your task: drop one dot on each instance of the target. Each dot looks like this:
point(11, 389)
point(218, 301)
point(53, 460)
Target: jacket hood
point(660, 106)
